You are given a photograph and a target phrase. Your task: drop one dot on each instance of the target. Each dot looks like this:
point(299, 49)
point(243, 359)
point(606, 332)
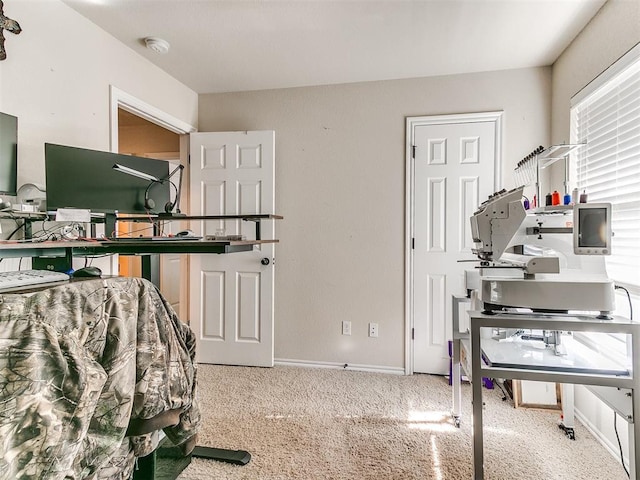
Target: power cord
point(615, 428)
point(504, 393)
point(620, 287)
point(615, 415)
point(18, 228)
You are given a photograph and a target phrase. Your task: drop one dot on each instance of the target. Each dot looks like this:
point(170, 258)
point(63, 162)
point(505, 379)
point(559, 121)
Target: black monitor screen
point(81, 178)
point(593, 228)
point(8, 154)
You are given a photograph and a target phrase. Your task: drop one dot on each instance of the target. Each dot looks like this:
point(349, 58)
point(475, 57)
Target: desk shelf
point(110, 220)
point(534, 355)
point(255, 217)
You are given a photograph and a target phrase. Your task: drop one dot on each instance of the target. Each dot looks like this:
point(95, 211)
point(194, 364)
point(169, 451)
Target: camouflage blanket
point(77, 363)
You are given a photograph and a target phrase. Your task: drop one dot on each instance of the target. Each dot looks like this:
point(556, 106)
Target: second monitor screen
point(82, 178)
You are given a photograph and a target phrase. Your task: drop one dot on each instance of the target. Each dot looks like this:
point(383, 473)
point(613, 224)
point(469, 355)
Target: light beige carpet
point(312, 424)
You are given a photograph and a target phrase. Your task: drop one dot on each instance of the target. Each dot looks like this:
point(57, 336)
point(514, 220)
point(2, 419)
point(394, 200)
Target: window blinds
point(607, 119)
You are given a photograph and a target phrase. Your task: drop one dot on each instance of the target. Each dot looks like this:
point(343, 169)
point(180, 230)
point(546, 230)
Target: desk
point(150, 261)
point(13, 249)
point(149, 249)
point(571, 370)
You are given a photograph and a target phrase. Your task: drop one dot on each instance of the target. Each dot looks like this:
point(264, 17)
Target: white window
point(605, 116)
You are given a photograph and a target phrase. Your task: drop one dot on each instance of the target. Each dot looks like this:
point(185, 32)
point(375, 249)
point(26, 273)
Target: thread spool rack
point(528, 170)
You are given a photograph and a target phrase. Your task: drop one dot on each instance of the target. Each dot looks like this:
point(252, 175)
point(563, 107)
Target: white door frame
point(120, 99)
point(413, 122)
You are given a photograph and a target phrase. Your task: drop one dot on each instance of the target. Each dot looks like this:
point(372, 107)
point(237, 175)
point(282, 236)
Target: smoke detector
point(156, 44)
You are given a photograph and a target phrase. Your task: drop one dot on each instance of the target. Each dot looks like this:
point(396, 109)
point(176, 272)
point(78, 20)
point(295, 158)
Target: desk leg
point(633, 453)
point(568, 410)
point(455, 359)
point(145, 467)
point(634, 434)
point(167, 461)
point(455, 382)
point(237, 457)
point(151, 268)
point(476, 387)
point(634, 422)
point(148, 465)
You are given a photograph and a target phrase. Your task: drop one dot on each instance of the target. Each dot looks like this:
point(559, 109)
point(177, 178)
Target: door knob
point(264, 261)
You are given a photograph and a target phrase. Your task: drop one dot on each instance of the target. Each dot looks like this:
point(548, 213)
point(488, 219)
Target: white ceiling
point(235, 45)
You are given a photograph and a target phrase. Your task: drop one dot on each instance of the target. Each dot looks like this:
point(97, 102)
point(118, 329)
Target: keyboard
point(26, 278)
point(153, 239)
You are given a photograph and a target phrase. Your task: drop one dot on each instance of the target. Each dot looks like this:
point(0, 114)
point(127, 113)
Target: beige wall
point(340, 182)
point(611, 33)
point(56, 80)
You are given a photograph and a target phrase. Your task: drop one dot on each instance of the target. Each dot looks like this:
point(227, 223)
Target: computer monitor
point(8, 154)
point(592, 229)
point(82, 178)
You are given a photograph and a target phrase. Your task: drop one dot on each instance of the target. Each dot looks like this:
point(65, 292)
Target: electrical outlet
point(373, 329)
point(346, 327)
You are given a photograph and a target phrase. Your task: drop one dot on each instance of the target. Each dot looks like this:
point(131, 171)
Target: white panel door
point(454, 165)
point(231, 301)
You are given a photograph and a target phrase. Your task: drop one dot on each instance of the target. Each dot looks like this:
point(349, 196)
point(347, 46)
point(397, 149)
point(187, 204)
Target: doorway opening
point(140, 129)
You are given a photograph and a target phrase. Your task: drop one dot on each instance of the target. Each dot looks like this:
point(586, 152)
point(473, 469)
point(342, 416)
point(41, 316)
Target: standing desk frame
point(150, 250)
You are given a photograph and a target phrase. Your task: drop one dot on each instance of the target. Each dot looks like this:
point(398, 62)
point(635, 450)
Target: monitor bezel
point(12, 160)
point(578, 249)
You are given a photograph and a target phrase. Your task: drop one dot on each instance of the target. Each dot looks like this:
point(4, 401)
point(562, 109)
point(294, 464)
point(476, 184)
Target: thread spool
point(583, 197)
point(555, 198)
point(567, 199)
point(548, 199)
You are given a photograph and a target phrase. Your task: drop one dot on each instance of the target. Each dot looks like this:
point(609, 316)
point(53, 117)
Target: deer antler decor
point(8, 24)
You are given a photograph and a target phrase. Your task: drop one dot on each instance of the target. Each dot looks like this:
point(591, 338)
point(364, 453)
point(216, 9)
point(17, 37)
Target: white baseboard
point(604, 441)
point(339, 366)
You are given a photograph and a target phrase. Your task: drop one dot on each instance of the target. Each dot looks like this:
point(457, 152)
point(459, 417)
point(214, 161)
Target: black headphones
point(4, 205)
point(149, 203)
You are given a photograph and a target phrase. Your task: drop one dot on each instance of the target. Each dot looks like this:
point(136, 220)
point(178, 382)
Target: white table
point(509, 360)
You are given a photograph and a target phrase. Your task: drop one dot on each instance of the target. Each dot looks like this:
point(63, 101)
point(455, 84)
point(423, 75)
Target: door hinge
point(413, 152)
point(413, 334)
point(413, 244)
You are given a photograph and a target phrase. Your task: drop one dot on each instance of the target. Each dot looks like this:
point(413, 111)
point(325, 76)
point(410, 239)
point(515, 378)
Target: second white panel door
point(453, 168)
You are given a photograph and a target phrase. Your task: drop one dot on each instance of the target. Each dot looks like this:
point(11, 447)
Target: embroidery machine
point(544, 260)
point(541, 262)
